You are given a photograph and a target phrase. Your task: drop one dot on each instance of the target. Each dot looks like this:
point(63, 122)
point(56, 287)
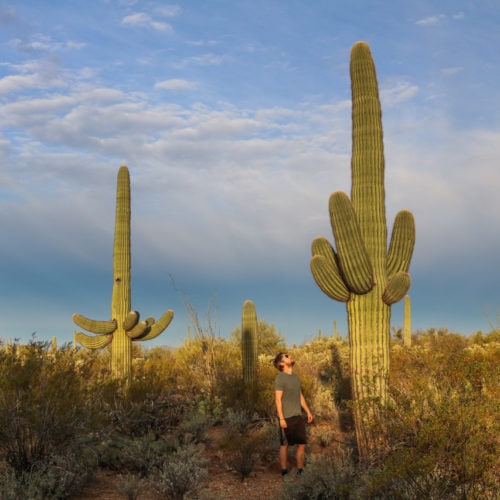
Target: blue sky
point(234, 120)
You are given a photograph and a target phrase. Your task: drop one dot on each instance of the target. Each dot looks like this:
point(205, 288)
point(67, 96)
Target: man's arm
point(303, 403)
point(279, 408)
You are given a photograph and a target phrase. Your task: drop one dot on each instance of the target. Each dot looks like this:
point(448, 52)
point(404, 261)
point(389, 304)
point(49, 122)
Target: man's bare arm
point(279, 407)
point(303, 403)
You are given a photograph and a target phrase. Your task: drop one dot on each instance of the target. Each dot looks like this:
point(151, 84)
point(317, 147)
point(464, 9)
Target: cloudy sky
point(234, 120)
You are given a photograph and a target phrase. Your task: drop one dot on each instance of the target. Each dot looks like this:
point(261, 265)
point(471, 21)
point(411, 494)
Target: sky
point(234, 119)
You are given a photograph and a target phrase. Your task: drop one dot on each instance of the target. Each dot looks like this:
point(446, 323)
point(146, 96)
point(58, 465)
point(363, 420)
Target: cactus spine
point(360, 271)
point(124, 326)
point(249, 339)
point(407, 322)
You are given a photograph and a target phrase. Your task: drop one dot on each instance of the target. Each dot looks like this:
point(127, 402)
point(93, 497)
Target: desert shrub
point(231, 387)
point(199, 416)
point(59, 477)
point(324, 369)
point(265, 403)
point(199, 364)
point(442, 427)
point(129, 486)
point(246, 455)
point(141, 411)
point(138, 455)
point(247, 440)
point(181, 472)
point(44, 407)
point(323, 478)
point(236, 420)
point(323, 435)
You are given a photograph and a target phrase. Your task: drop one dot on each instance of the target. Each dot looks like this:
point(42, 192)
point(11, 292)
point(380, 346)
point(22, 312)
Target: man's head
point(282, 359)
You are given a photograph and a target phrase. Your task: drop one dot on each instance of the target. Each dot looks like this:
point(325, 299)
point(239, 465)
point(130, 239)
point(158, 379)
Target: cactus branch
point(97, 342)
point(326, 272)
point(94, 326)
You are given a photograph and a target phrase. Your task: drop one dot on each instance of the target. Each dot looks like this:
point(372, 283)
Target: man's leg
point(283, 456)
point(300, 456)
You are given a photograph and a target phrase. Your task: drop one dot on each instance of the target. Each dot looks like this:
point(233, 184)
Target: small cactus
point(125, 326)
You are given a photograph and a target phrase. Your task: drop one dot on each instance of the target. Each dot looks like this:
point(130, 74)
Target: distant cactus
point(249, 339)
point(336, 335)
point(124, 327)
point(407, 322)
point(360, 270)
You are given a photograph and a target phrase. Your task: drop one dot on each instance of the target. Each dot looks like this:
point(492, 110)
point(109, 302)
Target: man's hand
point(283, 423)
point(309, 417)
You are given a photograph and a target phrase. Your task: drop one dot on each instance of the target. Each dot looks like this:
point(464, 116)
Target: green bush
point(44, 407)
point(442, 428)
point(59, 477)
point(180, 473)
point(139, 455)
point(438, 437)
point(324, 477)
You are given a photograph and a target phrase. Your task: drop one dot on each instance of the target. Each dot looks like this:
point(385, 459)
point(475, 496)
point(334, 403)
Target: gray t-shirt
point(289, 383)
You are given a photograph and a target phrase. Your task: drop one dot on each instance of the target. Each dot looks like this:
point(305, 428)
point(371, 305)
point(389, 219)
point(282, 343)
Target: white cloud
point(41, 74)
point(168, 10)
point(207, 59)
point(176, 84)
point(143, 20)
point(44, 43)
point(202, 43)
point(397, 93)
point(431, 20)
point(136, 19)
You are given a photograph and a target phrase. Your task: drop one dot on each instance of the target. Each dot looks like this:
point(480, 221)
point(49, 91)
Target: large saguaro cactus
point(124, 327)
point(360, 270)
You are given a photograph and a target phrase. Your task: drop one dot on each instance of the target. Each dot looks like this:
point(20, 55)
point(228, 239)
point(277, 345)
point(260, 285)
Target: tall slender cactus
point(361, 271)
point(249, 339)
point(124, 327)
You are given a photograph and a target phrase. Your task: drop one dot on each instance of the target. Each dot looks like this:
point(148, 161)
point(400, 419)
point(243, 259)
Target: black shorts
point(294, 432)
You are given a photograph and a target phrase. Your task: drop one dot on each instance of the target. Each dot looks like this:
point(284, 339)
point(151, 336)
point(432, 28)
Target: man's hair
point(277, 361)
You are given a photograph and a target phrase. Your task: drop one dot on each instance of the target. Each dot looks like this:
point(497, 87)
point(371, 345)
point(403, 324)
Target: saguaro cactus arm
point(94, 326)
point(155, 328)
point(402, 243)
point(326, 272)
point(396, 288)
point(138, 330)
point(354, 260)
point(97, 342)
point(131, 320)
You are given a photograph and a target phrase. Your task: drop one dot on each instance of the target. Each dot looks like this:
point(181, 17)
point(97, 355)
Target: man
point(289, 403)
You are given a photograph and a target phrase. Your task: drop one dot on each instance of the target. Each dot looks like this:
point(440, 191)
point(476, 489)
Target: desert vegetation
point(63, 418)
point(406, 417)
